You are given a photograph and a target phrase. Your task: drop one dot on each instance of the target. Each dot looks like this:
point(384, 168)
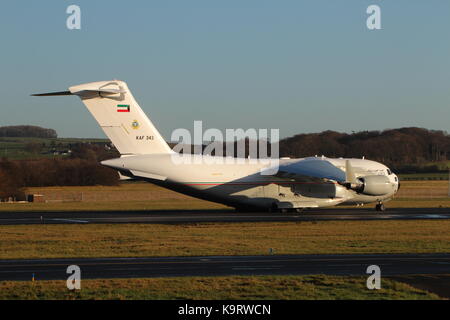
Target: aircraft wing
point(311, 169)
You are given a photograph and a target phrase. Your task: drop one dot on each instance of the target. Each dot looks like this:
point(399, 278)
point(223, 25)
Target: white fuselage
point(242, 185)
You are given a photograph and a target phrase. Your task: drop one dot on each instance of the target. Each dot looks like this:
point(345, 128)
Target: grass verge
point(255, 287)
point(186, 205)
point(140, 240)
point(139, 196)
point(128, 206)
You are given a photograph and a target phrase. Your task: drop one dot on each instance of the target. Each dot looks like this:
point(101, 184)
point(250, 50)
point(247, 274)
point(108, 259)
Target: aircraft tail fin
point(120, 116)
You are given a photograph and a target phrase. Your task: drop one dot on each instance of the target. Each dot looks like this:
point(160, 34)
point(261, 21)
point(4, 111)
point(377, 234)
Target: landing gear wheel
point(380, 207)
point(299, 210)
point(274, 208)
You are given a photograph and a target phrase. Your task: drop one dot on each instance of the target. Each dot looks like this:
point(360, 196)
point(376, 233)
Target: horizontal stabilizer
point(60, 93)
point(81, 92)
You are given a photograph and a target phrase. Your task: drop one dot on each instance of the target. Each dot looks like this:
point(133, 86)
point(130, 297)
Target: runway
point(390, 265)
point(197, 216)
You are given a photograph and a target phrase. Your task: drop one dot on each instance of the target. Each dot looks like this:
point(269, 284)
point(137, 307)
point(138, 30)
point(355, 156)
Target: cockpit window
point(389, 172)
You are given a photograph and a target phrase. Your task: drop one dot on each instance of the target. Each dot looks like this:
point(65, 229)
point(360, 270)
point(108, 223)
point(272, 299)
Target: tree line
point(27, 131)
point(82, 168)
point(404, 148)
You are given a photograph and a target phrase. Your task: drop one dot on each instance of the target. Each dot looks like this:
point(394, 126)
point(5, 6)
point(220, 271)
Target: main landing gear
point(380, 207)
point(274, 208)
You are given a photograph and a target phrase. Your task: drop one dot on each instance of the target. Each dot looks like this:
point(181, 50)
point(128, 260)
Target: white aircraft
point(297, 184)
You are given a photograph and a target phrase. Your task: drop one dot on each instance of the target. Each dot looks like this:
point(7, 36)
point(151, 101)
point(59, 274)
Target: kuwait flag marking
point(123, 108)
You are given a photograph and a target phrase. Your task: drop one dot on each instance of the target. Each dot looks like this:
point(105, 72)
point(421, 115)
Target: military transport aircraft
point(294, 185)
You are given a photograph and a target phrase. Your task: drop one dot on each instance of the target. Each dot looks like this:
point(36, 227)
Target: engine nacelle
point(376, 185)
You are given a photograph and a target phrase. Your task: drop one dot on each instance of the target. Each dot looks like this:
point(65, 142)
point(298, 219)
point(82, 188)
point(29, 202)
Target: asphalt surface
point(196, 216)
point(390, 265)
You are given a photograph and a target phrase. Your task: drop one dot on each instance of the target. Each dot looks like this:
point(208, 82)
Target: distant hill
point(27, 131)
point(394, 147)
point(407, 150)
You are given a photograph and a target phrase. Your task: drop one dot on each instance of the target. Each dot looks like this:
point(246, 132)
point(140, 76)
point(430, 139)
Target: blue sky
point(300, 66)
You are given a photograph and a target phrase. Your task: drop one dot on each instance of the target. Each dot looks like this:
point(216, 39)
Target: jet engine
point(375, 185)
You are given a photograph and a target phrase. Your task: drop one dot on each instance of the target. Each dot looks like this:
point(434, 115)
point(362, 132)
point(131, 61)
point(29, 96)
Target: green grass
point(418, 203)
point(141, 240)
point(424, 176)
point(188, 204)
point(413, 194)
point(128, 206)
point(233, 287)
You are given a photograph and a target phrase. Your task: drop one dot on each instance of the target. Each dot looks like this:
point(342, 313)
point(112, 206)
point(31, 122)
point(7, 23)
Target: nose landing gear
point(380, 207)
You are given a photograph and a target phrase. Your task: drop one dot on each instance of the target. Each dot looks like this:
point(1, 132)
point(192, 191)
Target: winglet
point(350, 176)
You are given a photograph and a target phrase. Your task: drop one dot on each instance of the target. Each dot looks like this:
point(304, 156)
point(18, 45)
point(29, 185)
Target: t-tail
point(119, 115)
